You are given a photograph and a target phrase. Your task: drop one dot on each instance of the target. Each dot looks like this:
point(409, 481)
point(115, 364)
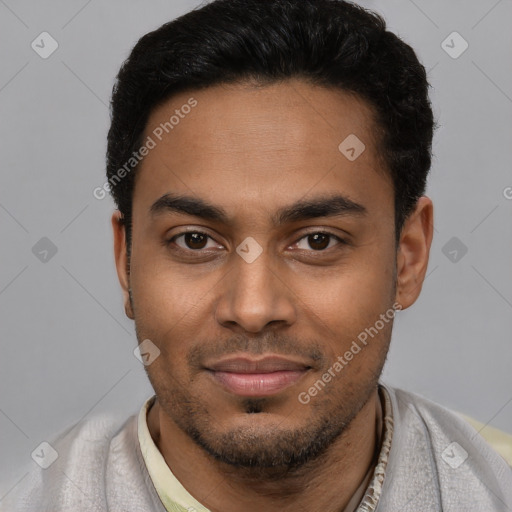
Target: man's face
point(250, 311)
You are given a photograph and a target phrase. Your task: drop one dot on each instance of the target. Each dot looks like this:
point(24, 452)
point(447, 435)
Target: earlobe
point(121, 260)
point(413, 252)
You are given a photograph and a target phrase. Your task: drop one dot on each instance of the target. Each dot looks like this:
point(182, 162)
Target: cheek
point(355, 289)
point(345, 302)
point(162, 290)
point(171, 307)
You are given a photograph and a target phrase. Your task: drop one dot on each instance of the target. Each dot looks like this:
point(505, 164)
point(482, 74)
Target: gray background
point(66, 346)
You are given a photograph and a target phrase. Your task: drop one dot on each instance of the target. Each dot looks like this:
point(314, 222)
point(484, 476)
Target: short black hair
point(332, 43)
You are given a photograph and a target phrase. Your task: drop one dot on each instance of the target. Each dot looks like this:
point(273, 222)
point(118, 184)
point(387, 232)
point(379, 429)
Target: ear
point(121, 260)
point(413, 252)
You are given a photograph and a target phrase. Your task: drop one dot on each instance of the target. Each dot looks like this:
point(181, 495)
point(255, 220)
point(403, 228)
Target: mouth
point(262, 377)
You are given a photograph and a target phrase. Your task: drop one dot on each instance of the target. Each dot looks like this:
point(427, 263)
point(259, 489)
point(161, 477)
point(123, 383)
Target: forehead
point(251, 146)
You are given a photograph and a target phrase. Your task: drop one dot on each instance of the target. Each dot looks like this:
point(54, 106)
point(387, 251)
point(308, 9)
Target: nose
point(255, 296)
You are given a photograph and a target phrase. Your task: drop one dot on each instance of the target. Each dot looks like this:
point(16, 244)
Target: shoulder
point(68, 471)
point(462, 466)
point(442, 422)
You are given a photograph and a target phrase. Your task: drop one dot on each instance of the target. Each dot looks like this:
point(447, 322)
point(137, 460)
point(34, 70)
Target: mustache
point(282, 345)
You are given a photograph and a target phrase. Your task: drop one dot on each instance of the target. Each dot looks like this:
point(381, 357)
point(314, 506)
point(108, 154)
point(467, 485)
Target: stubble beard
point(270, 452)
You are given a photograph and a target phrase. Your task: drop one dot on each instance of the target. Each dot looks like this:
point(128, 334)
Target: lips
point(257, 377)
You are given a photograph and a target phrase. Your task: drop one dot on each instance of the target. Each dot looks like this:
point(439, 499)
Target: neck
point(326, 483)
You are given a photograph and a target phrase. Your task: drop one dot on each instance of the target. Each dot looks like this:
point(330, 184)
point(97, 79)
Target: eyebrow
point(323, 206)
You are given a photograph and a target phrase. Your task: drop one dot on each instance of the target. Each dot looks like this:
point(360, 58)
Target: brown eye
point(318, 241)
point(191, 241)
point(195, 240)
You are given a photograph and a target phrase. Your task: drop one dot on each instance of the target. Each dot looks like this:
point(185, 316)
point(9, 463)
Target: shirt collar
point(173, 495)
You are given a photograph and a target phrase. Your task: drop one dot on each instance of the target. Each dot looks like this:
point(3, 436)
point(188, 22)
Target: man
point(269, 163)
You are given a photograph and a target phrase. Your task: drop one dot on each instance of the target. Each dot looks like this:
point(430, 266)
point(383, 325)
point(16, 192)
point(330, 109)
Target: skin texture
point(251, 151)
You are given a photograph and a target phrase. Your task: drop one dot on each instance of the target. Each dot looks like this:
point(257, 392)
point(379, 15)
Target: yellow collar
point(173, 495)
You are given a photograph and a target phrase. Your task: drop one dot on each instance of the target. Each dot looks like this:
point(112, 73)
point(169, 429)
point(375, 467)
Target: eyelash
point(170, 241)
